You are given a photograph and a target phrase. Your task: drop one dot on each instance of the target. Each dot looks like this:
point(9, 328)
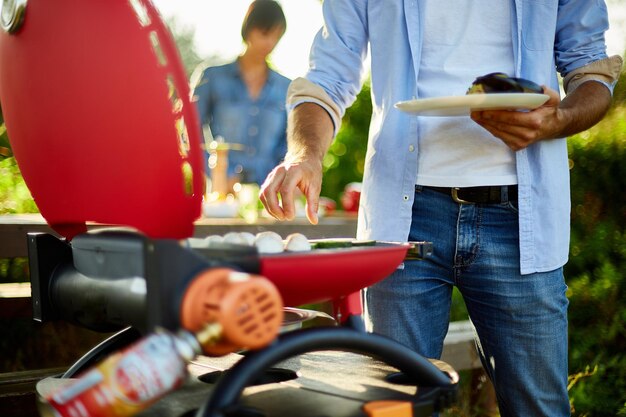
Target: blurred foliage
point(595, 272)
point(184, 38)
point(5, 146)
point(14, 194)
point(13, 270)
point(345, 161)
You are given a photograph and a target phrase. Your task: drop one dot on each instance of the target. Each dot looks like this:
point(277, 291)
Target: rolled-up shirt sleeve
point(336, 62)
point(605, 71)
point(580, 45)
point(302, 90)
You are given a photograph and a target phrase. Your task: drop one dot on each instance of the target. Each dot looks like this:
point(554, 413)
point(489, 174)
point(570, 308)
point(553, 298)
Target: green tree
point(344, 162)
point(5, 146)
point(14, 194)
point(184, 39)
point(595, 272)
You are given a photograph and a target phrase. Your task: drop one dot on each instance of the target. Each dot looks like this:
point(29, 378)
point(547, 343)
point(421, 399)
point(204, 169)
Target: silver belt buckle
point(455, 197)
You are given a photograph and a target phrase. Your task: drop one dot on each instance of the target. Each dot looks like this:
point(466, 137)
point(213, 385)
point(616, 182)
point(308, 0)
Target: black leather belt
point(479, 195)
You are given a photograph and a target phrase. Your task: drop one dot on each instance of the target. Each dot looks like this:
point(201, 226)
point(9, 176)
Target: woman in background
point(243, 102)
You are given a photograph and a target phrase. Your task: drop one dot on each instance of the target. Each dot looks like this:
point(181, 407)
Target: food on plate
point(268, 242)
point(499, 82)
point(297, 242)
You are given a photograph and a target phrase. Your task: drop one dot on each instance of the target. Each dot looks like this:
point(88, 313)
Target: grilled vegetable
point(499, 82)
point(340, 243)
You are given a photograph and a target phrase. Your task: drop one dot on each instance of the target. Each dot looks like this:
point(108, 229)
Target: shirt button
point(254, 110)
point(253, 130)
point(405, 197)
point(411, 148)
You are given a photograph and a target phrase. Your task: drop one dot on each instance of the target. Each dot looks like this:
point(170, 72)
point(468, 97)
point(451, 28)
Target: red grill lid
point(97, 107)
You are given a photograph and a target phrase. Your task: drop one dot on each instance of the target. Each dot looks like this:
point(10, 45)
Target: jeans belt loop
point(504, 194)
point(455, 196)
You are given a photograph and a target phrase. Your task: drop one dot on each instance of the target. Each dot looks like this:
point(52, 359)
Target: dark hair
point(264, 15)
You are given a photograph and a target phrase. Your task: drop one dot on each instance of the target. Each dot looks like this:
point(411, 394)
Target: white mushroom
point(268, 242)
point(195, 242)
point(297, 242)
point(234, 238)
point(212, 239)
point(248, 238)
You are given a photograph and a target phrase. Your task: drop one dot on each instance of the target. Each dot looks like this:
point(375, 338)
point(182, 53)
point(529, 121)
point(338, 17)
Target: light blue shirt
point(258, 124)
point(548, 36)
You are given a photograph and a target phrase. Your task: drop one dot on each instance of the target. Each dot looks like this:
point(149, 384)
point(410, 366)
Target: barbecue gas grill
point(99, 113)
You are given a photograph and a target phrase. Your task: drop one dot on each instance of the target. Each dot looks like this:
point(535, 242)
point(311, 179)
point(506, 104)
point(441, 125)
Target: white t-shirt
point(455, 151)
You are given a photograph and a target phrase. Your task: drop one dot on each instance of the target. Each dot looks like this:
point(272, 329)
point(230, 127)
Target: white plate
point(462, 105)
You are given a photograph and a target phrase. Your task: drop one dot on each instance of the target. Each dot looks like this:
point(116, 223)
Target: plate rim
point(470, 101)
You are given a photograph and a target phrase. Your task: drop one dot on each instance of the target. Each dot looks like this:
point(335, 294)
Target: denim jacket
point(550, 37)
point(259, 125)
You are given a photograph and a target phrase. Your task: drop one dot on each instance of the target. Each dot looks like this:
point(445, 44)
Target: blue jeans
point(520, 320)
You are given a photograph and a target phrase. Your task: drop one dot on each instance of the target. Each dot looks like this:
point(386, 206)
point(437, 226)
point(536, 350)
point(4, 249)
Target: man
point(491, 191)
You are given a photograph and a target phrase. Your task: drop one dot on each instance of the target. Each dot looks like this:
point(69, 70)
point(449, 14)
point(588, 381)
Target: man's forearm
point(309, 133)
point(584, 107)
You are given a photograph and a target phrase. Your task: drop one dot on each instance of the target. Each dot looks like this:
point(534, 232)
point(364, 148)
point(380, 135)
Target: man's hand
point(518, 129)
point(284, 181)
point(578, 111)
point(309, 134)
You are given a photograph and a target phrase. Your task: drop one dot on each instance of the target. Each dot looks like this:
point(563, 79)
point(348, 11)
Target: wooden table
point(14, 228)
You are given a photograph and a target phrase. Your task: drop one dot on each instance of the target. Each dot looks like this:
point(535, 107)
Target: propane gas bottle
point(127, 382)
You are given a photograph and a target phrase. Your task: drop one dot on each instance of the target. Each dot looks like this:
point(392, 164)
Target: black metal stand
point(113, 344)
point(420, 371)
